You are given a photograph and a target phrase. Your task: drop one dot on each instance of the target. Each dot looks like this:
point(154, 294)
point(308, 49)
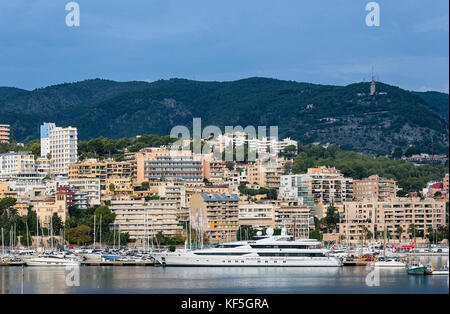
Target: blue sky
point(318, 41)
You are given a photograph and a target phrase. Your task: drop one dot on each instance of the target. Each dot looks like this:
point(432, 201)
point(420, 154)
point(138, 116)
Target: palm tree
point(388, 236)
point(412, 231)
point(399, 232)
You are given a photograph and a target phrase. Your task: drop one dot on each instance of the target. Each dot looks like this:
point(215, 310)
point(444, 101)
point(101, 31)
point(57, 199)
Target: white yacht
point(263, 251)
point(389, 262)
point(51, 260)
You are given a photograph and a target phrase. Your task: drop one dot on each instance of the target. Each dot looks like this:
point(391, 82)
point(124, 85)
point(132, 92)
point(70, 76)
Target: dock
point(356, 263)
point(119, 263)
point(21, 263)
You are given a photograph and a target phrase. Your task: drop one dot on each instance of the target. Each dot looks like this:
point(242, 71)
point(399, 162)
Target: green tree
point(80, 235)
point(316, 234)
point(399, 232)
point(332, 218)
point(246, 233)
point(145, 185)
point(7, 203)
point(57, 223)
point(398, 153)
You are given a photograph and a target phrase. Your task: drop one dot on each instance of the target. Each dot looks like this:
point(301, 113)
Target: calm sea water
point(212, 280)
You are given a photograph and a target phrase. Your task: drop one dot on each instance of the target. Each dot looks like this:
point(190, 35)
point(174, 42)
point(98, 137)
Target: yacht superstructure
point(263, 251)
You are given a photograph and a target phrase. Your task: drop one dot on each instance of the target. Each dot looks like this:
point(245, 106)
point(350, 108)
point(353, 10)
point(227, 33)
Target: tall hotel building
point(4, 133)
point(61, 145)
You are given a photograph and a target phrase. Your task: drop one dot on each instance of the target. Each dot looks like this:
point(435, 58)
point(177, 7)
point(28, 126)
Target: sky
point(316, 41)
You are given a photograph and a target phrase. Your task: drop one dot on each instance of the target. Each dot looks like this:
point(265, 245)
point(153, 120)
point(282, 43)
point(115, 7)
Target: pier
point(119, 263)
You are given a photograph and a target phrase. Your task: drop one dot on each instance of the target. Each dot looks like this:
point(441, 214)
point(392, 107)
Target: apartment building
point(161, 164)
point(5, 130)
point(375, 187)
point(175, 191)
point(61, 145)
point(319, 187)
point(206, 189)
point(330, 186)
point(145, 219)
point(374, 215)
point(101, 170)
point(217, 215)
point(257, 215)
point(297, 188)
point(43, 165)
point(293, 216)
point(269, 145)
point(89, 187)
point(87, 190)
point(255, 173)
point(118, 185)
point(16, 163)
point(264, 145)
point(22, 183)
point(214, 171)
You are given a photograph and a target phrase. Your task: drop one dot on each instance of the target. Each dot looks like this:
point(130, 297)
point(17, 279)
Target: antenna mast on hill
point(372, 85)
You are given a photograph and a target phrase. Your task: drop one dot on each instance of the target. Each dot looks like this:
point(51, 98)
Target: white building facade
point(61, 145)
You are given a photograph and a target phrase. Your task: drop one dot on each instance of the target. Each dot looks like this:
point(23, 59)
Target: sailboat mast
point(28, 244)
point(94, 231)
point(100, 231)
point(37, 229)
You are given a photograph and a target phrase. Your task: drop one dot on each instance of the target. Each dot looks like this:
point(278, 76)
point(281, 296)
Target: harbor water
point(216, 280)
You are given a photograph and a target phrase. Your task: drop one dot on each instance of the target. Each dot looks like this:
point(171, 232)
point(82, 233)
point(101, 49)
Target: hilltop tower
point(372, 86)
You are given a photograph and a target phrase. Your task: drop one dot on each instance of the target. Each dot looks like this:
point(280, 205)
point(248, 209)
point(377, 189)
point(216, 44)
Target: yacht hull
point(390, 264)
point(50, 262)
point(175, 259)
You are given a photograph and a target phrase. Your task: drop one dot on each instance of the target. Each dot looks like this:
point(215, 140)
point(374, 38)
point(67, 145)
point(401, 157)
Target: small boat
point(51, 260)
point(389, 262)
point(416, 269)
point(443, 271)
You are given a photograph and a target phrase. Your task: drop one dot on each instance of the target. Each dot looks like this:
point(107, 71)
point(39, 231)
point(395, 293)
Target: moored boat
point(389, 262)
point(262, 251)
point(51, 260)
point(416, 269)
point(443, 271)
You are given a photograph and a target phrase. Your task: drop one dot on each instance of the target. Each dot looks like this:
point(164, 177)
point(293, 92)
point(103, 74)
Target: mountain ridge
point(345, 115)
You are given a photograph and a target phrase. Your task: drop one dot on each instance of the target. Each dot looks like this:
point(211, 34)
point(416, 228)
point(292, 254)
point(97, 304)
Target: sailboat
point(385, 261)
point(51, 260)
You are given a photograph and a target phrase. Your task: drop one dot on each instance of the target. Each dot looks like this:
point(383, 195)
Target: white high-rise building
point(46, 129)
point(61, 145)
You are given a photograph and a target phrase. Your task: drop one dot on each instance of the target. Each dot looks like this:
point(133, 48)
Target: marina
point(265, 264)
point(215, 280)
